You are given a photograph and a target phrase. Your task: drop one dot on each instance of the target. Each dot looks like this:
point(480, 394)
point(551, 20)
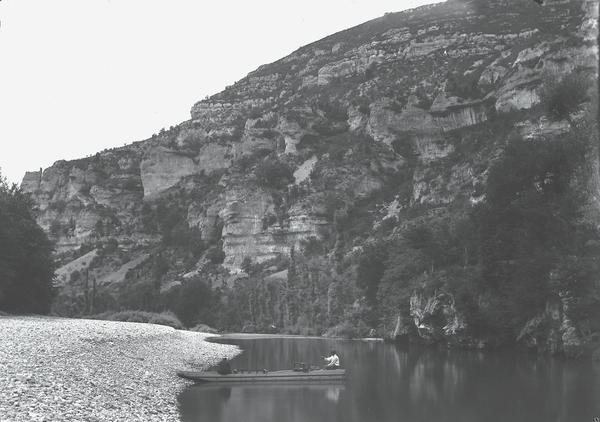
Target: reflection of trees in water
point(259, 402)
point(426, 379)
point(446, 381)
point(516, 386)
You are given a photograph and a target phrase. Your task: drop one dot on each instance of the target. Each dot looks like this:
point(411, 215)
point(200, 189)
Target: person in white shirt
point(332, 362)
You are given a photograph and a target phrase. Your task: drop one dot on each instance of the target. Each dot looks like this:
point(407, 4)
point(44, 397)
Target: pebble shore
point(56, 369)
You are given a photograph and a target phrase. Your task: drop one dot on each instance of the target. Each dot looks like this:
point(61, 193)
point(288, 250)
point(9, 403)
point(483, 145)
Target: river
point(390, 382)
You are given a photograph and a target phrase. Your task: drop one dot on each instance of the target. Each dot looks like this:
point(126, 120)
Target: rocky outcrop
point(32, 180)
point(162, 168)
point(544, 127)
point(214, 115)
point(541, 333)
point(553, 332)
point(207, 219)
point(292, 131)
point(387, 121)
point(437, 321)
point(258, 138)
point(249, 231)
point(402, 331)
point(84, 200)
point(430, 316)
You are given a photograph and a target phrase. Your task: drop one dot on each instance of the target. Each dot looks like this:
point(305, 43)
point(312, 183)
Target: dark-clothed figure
point(224, 367)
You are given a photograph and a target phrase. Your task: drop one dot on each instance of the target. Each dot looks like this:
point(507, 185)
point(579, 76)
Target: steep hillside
point(347, 140)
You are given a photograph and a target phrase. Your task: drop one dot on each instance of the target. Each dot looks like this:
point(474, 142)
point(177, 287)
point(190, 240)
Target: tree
point(26, 255)
point(531, 218)
point(561, 97)
point(291, 291)
point(371, 267)
point(195, 303)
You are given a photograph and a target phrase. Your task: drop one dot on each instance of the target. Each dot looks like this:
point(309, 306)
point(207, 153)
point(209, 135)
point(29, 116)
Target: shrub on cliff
point(275, 174)
point(561, 97)
point(26, 255)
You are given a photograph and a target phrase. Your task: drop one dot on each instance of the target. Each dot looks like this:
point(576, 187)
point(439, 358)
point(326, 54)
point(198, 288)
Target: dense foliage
point(26, 255)
point(163, 318)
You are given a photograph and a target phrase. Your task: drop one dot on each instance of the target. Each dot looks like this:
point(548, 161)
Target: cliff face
point(281, 156)
point(91, 198)
point(408, 78)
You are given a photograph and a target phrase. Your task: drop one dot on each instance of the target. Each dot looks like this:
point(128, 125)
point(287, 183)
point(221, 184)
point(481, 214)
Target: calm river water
point(387, 382)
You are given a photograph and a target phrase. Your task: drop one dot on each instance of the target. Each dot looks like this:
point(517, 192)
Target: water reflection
point(401, 383)
point(224, 393)
point(333, 394)
point(259, 402)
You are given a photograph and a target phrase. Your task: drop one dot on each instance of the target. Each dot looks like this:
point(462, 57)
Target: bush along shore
point(57, 369)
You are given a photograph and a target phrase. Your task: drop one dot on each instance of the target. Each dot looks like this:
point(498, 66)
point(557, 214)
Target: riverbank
point(57, 369)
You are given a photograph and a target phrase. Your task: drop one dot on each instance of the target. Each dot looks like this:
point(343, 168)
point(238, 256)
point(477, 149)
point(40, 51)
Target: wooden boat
point(262, 375)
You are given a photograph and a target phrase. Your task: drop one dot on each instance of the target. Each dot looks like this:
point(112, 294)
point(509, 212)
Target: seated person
point(224, 368)
point(332, 362)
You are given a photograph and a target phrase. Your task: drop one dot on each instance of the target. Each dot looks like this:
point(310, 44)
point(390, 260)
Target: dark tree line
point(26, 255)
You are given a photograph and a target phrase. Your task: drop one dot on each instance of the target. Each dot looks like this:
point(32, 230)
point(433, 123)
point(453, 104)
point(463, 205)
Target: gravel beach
point(56, 369)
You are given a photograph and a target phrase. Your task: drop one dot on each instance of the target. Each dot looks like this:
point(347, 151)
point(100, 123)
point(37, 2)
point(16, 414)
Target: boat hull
point(261, 376)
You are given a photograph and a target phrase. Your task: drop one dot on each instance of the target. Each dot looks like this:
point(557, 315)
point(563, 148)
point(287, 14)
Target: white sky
point(77, 76)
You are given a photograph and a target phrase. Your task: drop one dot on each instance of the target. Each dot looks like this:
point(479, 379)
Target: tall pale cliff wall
point(413, 78)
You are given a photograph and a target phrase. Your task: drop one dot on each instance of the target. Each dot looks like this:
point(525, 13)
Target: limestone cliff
point(397, 105)
point(417, 75)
